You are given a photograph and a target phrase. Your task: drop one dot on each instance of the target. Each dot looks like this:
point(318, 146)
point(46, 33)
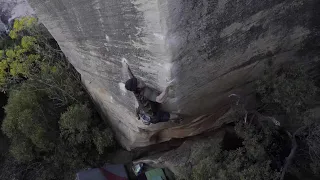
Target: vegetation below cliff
point(278, 140)
point(51, 128)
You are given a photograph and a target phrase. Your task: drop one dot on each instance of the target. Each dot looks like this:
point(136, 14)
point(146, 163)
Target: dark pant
point(159, 116)
point(162, 116)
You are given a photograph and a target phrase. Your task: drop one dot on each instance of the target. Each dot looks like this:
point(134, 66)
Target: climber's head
point(135, 85)
point(132, 85)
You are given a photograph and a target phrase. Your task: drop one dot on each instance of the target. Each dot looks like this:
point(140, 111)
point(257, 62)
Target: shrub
point(26, 116)
point(49, 119)
point(22, 150)
point(30, 50)
point(290, 89)
point(62, 84)
point(290, 92)
point(74, 124)
point(103, 139)
point(22, 25)
point(252, 161)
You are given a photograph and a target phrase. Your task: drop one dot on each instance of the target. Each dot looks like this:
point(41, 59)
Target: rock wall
point(211, 48)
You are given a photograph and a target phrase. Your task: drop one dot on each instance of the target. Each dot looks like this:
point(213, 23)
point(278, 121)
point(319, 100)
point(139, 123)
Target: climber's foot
point(178, 120)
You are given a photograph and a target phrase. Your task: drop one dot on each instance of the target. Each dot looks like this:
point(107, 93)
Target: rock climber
point(148, 101)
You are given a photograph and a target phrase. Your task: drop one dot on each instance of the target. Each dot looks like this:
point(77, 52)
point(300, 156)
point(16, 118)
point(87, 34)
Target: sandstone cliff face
point(212, 48)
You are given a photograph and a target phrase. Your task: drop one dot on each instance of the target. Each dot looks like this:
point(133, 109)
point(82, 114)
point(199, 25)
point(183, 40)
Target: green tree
point(251, 161)
point(287, 91)
point(103, 139)
point(290, 92)
point(50, 121)
point(27, 117)
point(74, 124)
point(23, 25)
point(57, 136)
point(30, 51)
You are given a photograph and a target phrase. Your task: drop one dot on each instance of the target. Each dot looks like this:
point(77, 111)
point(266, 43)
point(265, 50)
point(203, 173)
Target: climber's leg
point(176, 118)
point(163, 116)
point(160, 116)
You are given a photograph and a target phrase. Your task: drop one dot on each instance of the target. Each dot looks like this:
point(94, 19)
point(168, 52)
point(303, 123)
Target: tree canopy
point(50, 120)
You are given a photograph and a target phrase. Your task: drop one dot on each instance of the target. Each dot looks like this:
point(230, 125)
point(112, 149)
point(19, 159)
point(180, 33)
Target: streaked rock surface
point(212, 48)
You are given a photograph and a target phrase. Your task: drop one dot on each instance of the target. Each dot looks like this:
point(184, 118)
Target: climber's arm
point(138, 113)
point(130, 73)
point(128, 69)
point(156, 96)
point(163, 96)
point(137, 106)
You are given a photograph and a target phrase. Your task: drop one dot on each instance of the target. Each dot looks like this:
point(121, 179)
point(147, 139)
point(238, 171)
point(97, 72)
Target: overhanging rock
point(212, 48)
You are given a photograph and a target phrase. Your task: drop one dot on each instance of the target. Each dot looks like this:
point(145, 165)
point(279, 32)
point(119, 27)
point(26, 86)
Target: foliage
point(289, 89)
point(58, 79)
point(251, 161)
point(313, 142)
point(75, 128)
point(74, 124)
point(29, 53)
point(22, 150)
point(52, 127)
point(102, 139)
point(26, 116)
point(290, 92)
point(40, 133)
point(307, 161)
point(22, 25)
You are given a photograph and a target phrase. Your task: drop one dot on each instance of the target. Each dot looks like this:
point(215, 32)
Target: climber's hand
point(124, 61)
point(126, 67)
point(165, 94)
point(171, 82)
